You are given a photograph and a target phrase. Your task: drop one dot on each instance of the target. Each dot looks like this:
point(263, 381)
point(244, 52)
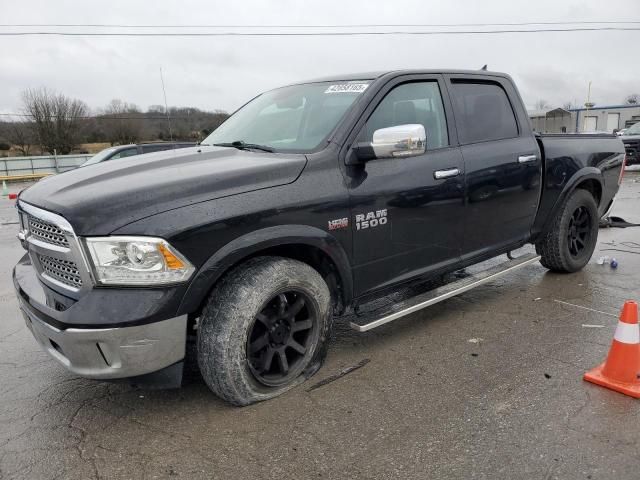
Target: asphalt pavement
point(487, 385)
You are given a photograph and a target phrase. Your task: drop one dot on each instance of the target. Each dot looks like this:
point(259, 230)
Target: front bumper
point(112, 353)
point(105, 352)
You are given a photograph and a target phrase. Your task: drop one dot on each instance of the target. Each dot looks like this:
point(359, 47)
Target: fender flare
point(586, 173)
point(247, 245)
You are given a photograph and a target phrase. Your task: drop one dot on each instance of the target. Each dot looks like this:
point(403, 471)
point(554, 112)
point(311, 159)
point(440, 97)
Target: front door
point(405, 213)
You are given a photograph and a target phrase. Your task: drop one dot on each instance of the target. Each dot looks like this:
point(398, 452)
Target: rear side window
point(483, 112)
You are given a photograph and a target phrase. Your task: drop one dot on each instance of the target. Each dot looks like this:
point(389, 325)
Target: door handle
point(527, 158)
point(446, 173)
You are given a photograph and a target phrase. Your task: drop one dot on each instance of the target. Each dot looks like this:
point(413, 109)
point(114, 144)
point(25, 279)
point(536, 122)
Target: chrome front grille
point(46, 232)
point(56, 253)
point(64, 271)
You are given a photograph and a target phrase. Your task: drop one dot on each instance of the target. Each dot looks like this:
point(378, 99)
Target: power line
point(356, 25)
point(312, 34)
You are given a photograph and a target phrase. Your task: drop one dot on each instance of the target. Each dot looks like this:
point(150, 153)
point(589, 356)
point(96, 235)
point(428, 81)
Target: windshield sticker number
point(347, 88)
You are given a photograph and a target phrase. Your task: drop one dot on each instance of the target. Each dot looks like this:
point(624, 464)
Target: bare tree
point(632, 99)
point(122, 122)
point(20, 134)
point(57, 119)
point(542, 105)
point(156, 109)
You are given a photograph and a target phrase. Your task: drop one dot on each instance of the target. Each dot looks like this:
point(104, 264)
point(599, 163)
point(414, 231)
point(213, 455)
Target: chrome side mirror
point(399, 141)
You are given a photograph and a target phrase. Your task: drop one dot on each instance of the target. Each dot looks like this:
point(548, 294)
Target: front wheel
point(264, 329)
point(570, 242)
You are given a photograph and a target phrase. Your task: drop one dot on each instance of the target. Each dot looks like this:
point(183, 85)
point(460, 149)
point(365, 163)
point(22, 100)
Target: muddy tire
point(264, 330)
point(569, 243)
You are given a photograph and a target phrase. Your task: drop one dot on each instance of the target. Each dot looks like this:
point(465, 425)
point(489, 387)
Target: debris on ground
point(339, 375)
point(628, 245)
point(619, 250)
point(586, 325)
point(584, 308)
point(617, 222)
point(475, 340)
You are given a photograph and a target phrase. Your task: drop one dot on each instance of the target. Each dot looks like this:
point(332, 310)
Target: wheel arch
point(308, 244)
point(588, 178)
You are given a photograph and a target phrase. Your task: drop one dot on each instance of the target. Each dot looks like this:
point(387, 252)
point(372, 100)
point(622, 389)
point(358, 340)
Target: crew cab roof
point(378, 74)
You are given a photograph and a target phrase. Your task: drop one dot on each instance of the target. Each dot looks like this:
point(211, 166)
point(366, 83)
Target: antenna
point(484, 67)
point(166, 109)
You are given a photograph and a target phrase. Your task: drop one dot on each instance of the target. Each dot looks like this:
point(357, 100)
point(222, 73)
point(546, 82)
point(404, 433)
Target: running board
point(431, 297)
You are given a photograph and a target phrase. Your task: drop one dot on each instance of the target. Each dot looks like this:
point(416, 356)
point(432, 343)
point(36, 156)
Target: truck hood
point(101, 198)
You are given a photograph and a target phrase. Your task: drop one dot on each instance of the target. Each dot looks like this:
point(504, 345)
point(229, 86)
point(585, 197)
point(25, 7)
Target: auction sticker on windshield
point(347, 88)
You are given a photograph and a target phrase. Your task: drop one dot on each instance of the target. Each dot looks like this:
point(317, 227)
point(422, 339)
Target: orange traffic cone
point(621, 369)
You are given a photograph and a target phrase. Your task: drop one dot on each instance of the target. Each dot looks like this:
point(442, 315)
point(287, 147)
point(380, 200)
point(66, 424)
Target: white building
point(595, 119)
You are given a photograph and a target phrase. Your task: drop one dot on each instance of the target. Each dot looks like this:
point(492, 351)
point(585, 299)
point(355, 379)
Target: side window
point(156, 148)
point(127, 152)
point(418, 102)
point(483, 112)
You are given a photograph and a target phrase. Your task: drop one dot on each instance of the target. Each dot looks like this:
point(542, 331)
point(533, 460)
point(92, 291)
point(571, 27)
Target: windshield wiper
point(241, 145)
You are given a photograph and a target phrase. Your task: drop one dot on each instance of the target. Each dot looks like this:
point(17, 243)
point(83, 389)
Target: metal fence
point(17, 166)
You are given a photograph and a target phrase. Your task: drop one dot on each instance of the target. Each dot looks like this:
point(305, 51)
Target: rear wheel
point(569, 244)
point(264, 329)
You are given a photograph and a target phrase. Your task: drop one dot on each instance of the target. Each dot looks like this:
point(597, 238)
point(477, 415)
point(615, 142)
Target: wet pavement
point(487, 385)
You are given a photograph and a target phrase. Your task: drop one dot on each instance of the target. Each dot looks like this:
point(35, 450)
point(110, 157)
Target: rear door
point(405, 215)
point(502, 163)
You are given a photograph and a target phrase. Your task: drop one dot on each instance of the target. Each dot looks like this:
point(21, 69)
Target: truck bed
point(564, 154)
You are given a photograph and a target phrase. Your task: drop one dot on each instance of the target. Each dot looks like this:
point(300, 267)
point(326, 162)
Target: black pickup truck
point(306, 202)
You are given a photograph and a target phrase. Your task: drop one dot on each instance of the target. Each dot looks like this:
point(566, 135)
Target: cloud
point(224, 72)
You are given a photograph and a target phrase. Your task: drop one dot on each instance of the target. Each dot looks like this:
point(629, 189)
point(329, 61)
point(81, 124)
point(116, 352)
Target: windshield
point(633, 130)
point(295, 118)
point(98, 157)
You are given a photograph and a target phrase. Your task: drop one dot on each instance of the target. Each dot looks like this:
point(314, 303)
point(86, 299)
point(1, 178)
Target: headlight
point(136, 261)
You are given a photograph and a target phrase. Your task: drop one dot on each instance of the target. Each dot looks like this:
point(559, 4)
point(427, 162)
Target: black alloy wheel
point(568, 243)
point(279, 338)
point(579, 231)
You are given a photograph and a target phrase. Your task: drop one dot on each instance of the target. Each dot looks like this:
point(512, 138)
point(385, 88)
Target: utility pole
point(588, 104)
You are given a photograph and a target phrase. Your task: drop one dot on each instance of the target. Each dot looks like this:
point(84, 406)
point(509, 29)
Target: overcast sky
point(223, 72)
